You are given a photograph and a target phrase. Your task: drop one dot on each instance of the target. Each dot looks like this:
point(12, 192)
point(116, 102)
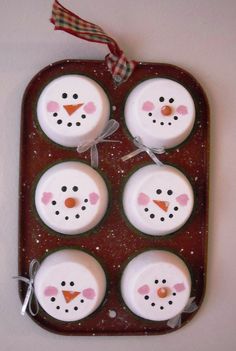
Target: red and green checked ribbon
point(119, 66)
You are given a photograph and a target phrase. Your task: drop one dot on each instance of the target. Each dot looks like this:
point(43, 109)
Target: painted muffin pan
point(121, 248)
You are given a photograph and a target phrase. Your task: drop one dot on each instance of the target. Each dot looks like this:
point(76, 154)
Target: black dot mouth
point(76, 215)
point(60, 121)
point(161, 123)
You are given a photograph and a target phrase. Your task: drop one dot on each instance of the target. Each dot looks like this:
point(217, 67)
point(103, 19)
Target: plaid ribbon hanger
point(120, 67)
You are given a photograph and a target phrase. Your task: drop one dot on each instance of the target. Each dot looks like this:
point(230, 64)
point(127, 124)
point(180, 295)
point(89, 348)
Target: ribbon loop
point(118, 65)
point(189, 308)
point(33, 268)
point(110, 128)
point(143, 148)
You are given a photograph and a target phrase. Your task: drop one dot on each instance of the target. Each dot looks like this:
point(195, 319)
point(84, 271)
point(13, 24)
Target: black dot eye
point(171, 100)
point(64, 188)
point(75, 188)
point(146, 297)
point(158, 191)
point(72, 283)
point(64, 95)
point(169, 192)
point(156, 281)
point(63, 283)
point(161, 99)
point(174, 294)
point(163, 281)
point(75, 96)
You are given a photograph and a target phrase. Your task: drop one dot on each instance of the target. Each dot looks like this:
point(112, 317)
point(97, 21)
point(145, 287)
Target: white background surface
point(198, 35)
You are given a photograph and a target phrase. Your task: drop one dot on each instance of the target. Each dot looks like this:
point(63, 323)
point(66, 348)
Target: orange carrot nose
point(70, 109)
point(70, 295)
point(162, 292)
point(166, 110)
point(164, 205)
point(70, 202)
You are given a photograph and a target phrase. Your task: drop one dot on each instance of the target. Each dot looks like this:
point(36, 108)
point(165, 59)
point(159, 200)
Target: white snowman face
point(71, 197)
point(158, 200)
point(72, 109)
point(158, 286)
point(70, 288)
point(161, 112)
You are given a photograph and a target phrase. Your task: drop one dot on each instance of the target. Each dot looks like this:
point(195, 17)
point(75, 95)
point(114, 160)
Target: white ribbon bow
point(143, 148)
point(110, 128)
point(33, 268)
point(189, 308)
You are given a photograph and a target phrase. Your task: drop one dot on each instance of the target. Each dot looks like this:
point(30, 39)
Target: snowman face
point(161, 112)
point(69, 290)
point(158, 200)
point(159, 289)
point(71, 198)
point(72, 109)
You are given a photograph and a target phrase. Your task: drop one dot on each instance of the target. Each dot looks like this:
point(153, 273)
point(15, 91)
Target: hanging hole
point(112, 313)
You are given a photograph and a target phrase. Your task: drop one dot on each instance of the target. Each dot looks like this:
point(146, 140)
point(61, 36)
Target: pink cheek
point(90, 107)
point(93, 198)
point(50, 291)
point(148, 106)
point(182, 110)
point(46, 198)
point(179, 287)
point(182, 199)
point(143, 199)
point(143, 290)
point(53, 106)
point(89, 293)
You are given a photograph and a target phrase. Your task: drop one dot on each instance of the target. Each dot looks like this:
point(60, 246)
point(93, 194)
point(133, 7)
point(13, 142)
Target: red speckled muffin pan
point(117, 237)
